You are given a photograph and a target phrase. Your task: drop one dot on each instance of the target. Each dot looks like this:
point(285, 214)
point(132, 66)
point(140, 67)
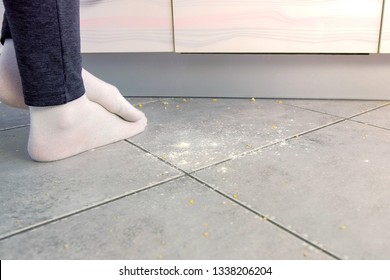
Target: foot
point(109, 97)
point(58, 132)
point(97, 90)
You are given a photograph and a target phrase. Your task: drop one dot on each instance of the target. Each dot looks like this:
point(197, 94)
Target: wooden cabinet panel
point(126, 26)
point(287, 26)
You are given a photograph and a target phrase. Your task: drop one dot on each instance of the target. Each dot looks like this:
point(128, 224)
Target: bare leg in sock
point(97, 90)
point(80, 125)
point(100, 117)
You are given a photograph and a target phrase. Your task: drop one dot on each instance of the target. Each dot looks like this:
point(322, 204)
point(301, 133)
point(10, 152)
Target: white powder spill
point(182, 145)
point(283, 144)
point(222, 170)
point(175, 155)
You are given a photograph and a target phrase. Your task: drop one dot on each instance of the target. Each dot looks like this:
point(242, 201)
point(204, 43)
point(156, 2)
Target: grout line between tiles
point(268, 145)
point(311, 110)
point(368, 110)
point(324, 113)
point(87, 208)
point(14, 127)
point(157, 157)
point(266, 218)
point(369, 124)
point(280, 226)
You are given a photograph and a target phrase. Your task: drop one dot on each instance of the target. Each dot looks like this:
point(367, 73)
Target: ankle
point(62, 117)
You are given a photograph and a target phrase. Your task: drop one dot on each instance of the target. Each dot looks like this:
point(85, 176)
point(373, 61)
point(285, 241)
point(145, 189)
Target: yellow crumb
point(184, 100)
point(253, 99)
point(235, 196)
point(164, 156)
point(249, 146)
point(214, 100)
point(274, 126)
point(177, 106)
point(342, 227)
point(206, 234)
point(305, 254)
point(265, 218)
point(140, 105)
point(66, 246)
point(191, 201)
point(166, 103)
point(280, 102)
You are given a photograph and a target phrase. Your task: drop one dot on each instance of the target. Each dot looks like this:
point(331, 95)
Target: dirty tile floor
point(209, 179)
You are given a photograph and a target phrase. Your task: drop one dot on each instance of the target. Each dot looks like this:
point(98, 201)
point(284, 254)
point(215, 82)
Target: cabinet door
point(278, 26)
point(126, 26)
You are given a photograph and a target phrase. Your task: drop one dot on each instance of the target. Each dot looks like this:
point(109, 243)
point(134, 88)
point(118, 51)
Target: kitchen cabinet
point(126, 26)
point(277, 26)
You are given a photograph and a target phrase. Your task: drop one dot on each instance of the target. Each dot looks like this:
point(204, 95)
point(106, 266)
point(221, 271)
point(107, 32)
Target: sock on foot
point(58, 132)
point(109, 97)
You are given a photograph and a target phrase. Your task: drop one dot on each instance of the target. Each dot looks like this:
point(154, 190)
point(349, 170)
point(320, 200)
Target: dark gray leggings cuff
point(53, 98)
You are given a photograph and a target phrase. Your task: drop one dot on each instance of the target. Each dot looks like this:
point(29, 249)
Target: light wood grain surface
point(311, 26)
point(292, 26)
point(125, 25)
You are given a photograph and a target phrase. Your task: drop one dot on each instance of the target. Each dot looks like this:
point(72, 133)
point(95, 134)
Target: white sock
point(109, 97)
point(58, 132)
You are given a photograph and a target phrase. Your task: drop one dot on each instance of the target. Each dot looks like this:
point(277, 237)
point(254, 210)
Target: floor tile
point(340, 108)
point(11, 117)
point(331, 186)
point(192, 133)
point(178, 220)
point(34, 192)
point(379, 117)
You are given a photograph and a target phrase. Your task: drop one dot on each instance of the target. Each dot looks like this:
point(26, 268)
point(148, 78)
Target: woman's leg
point(11, 92)
point(46, 38)
point(64, 122)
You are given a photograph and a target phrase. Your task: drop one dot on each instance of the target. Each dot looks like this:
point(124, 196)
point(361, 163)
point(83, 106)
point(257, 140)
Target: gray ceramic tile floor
point(208, 179)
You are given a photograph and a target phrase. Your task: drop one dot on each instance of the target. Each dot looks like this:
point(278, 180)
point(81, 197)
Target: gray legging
point(46, 35)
